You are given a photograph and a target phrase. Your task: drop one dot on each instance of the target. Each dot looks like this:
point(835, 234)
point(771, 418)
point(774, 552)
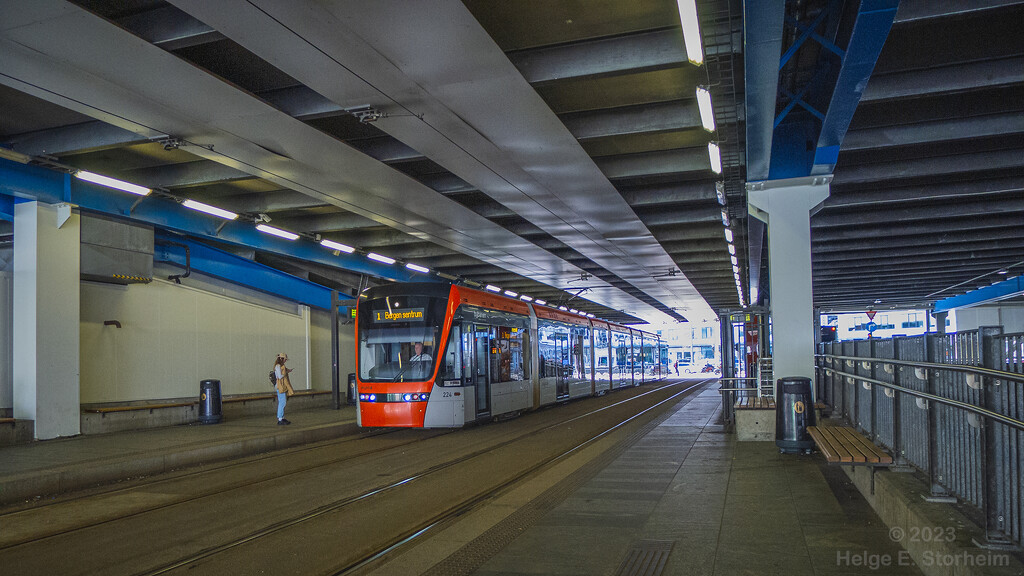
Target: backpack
point(273, 379)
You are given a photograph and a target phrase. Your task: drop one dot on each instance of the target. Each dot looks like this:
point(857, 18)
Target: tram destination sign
point(408, 315)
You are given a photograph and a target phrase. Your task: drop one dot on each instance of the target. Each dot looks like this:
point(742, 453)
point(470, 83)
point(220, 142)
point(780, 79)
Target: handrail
point(941, 400)
point(999, 374)
point(738, 389)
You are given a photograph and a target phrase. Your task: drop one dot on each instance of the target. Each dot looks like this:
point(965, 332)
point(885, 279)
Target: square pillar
point(785, 205)
point(46, 318)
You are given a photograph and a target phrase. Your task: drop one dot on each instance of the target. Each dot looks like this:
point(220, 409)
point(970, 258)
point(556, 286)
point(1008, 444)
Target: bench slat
point(873, 452)
point(847, 452)
point(6, 420)
point(826, 448)
point(137, 407)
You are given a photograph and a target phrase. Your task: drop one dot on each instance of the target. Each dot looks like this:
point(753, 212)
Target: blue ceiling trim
point(36, 183)
point(999, 291)
point(762, 45)
point(240, 271)
point(871, 28)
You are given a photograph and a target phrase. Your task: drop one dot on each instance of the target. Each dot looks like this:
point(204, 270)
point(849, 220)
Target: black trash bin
point(209, 402)
point(794, 412)
point(351, 397)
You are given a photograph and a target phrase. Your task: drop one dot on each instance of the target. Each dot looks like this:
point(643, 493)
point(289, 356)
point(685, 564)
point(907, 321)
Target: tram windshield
point(399, 338)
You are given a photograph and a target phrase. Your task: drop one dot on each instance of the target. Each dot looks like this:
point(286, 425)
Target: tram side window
point(452, 367)
point(507, 357)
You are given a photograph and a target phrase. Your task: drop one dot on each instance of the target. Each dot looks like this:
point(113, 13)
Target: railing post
point(874, 389)
point(897, 406)
point(938, 492)
point(992, 483)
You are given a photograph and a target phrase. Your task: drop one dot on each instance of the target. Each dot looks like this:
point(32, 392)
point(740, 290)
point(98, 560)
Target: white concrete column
point(785, 205)
point(46, 318)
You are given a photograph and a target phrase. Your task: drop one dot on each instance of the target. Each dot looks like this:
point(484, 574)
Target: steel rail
point(991, 372)
point(939, 399)
point(337, 505)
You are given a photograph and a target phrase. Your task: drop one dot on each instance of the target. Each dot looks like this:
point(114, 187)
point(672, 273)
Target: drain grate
point(646, 558)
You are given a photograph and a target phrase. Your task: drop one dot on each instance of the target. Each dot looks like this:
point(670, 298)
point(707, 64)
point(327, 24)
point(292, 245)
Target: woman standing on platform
point(284, 387)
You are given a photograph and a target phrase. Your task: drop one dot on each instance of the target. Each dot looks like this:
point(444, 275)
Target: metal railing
point(950, 405)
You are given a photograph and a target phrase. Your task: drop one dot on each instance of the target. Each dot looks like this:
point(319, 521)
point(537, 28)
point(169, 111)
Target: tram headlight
point(423, 397)
point(407, 397)
point(373, 397)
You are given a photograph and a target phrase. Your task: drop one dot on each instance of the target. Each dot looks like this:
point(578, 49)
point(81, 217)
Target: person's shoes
point(283, 422)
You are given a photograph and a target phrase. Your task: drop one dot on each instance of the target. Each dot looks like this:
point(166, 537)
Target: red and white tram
point(433, 355)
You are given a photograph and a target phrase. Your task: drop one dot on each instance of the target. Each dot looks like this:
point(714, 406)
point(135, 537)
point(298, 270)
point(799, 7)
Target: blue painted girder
point(36, 183)
point(871, 28)
point(238, 270)
point(999, 291)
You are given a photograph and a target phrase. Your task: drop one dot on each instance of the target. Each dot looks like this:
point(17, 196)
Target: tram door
point(476, 347)
point(564, 368)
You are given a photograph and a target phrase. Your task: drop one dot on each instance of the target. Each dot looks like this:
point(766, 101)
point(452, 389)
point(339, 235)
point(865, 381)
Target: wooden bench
point(272, 395)
point(844, 445)
point(756, 403)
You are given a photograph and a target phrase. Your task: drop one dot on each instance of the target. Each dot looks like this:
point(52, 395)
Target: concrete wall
point(1010, 317)
point(172, 336)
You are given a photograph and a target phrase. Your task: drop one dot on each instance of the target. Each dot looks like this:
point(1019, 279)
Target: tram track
point(412, 535)
point(295, 523)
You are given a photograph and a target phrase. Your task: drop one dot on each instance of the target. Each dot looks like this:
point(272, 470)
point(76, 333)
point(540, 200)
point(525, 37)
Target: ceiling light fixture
point(541, 302)
point(219, 212)
point(728, 235)
point(707, 113)
point(112, 183)
point(337, 246)
point(8, 154)
point(735, 262)
point(732, 249)
point(277, 232)
point(511, 294)
point(417, 268)
point(720, 192)
point(716, 157)
point(691, 31)
point(563, 308)
point(380, 258)
point(493, 288)
point(725, 217)
point(526, 298)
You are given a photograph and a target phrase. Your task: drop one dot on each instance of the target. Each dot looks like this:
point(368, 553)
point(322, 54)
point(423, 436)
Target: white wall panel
point(172, 336)
point(6, 343)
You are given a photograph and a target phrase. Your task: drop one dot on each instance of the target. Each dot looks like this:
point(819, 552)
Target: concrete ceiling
point(548, 147)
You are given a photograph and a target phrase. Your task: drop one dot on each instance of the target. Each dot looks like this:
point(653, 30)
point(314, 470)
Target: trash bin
point(209, 402)
point(351, 397)
point(794, 412)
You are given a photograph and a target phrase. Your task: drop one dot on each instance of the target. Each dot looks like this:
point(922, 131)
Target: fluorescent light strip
point(590, 315)
point(728, 235)
point(725, 217)
point(563, 308)
point(735, 262)
point(707, 113)
point(732, 249)
point(511, 294)
point(493, 288)
point(277, 232)
point(526, 298)
point(691, 31)
point(735, 269)
point(219, 212)
point(417, 268)
point(112, 183)
point(337, 246)
point(380, 258)
point(574, 311)
point(716, 157)
point(541, 302)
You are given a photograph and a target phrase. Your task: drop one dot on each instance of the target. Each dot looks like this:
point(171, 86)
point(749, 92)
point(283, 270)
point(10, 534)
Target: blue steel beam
point(238, 270)
point(35, 183)
point(999, 291)
point(871, 28)
point(6, 208)
point(762, 46)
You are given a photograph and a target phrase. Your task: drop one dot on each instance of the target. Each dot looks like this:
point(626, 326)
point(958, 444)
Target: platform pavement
point(717, 506)
point(44, 468)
